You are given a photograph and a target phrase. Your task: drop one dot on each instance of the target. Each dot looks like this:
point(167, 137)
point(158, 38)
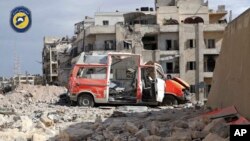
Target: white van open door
point(159, 84)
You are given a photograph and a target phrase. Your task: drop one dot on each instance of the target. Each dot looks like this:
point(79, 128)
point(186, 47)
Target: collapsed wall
point(232, 72)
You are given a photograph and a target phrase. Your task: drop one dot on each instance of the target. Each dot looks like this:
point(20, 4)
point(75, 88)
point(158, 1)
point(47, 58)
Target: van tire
point(85, 100)
point(169, 100)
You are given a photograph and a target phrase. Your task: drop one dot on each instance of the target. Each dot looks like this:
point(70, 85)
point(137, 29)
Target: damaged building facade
point(184, 36)
point(57, 56)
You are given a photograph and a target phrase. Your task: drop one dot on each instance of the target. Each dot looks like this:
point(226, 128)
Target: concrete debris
point(41, 118)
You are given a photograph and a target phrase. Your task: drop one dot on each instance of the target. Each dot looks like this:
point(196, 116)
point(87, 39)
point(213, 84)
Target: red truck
point(120, 78)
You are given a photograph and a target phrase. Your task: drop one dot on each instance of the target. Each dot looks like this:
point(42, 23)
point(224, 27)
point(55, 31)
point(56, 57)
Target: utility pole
point(17, 66)
point(230, 16)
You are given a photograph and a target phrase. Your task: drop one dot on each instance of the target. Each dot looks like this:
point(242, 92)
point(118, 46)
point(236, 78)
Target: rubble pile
point(33, 113)
point(32, 94)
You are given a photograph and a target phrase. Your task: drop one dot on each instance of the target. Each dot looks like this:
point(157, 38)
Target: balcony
point(152, 29)
point(214, 27)
point(169, 28)
point(169, 52)
point(92, 30)
point(212, 51)
point(208, 74)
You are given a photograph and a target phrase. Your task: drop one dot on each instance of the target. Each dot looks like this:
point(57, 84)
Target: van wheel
point(169, 100)
point(85, 100)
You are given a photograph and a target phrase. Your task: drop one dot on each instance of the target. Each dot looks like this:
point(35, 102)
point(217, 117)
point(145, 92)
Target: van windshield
point(95, 59)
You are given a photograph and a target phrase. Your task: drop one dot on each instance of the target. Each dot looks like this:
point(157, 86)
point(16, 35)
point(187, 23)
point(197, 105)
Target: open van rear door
point(159, 83)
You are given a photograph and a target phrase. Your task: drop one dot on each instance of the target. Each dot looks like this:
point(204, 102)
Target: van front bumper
point(72, 97)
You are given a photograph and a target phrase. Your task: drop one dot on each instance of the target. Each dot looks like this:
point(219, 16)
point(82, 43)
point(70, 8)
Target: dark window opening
point(211, 43)
point(176, 45)
point(127, 45)
point(90, 47)
point(109, 45)
point(105, 22)
point(207, 90)
point(74, 52)
point(150, 42)
point(191, 65)
point(170, 22)
point(210, 64)
point(170, 67)
point(169, 44)
point(172, 45)
point(192, 89)
point(191, 43)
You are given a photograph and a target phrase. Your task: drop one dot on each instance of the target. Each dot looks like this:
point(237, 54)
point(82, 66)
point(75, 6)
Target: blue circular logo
point(20, 19)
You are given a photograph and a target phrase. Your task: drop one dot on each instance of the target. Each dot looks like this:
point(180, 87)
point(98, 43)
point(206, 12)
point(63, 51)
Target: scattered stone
point(99, 137)
point(221, 129)
point(76, 134)
point(183, 135)
point(196, 124)
point(154, 130)
point(199, 134)
point(213, 124)
point(181, 124)
point(108, 135)
point(46, 121)
point(26, 124)
point(131, 127)
point(117, 138)
point(153, 138)
point(213, 137)
point(142, 134)
point(38, 137)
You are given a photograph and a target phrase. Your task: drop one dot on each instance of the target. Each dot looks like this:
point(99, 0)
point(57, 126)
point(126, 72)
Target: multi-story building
point(56, 59)
point(3, 82)
point(23, 79)
point(184, 36)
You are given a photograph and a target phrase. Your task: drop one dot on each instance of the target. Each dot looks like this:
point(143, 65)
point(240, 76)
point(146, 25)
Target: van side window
point(93, 73)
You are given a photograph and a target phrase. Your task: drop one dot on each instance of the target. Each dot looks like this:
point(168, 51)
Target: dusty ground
point(37, 113)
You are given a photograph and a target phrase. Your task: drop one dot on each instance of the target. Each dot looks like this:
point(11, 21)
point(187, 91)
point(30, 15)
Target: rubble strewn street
point(40, 113)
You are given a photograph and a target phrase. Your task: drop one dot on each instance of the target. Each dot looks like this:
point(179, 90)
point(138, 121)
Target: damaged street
point(40, 113)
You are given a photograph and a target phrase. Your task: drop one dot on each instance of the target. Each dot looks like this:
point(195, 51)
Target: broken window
point(170, 67)
point(191, 65)
point(176, 45)
point(95, 59)
point(191, 43)
point(172, 45)
point(209, 64)
point(207, 90)
point(192, 89)
point(90, 47)
point(211, 43)
point(123, 74)
point(168, 44)
point(105, 22)
point(127, 44)
point(150, 42)
point(97, 73)
point(109, 45)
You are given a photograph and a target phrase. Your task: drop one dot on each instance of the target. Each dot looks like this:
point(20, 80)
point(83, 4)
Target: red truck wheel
point(85, 100)
point(169, 100)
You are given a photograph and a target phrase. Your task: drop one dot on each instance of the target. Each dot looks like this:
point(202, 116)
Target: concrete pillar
point(200, 62)
point(50, 63)
point(181, 51)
